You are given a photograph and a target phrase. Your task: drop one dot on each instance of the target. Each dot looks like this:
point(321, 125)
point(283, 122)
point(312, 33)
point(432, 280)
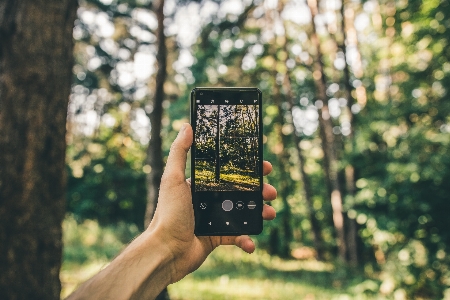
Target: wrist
point(141, 271)
point(151, 263)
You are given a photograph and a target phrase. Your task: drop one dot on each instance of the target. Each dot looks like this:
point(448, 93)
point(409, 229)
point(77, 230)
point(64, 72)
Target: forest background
point(356, 124)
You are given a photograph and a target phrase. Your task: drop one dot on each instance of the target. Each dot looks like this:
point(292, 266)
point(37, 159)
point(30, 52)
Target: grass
point(88, 248)
point(230, 178)
point(228, 273)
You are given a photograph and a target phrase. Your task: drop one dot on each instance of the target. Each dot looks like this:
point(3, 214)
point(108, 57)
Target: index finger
point(267, 167)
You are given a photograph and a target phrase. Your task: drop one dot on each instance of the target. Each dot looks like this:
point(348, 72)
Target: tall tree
point(307, 186)
point(35, 77)
point(154, 150)
point(327, 137)
point(347, 26)
point(281, 237)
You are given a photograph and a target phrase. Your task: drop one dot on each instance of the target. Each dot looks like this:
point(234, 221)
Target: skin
point(167, 250)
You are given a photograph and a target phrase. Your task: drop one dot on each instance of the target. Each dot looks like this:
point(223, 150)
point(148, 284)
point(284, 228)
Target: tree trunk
point(349, 169)
point(154, 150)
point(283, 249)
point(307, 188)
point(217, 140)
point(36, 54)
point(328, 139)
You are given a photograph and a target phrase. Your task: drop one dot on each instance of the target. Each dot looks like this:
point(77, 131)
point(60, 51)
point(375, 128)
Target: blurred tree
point(403, 151)
point(304, 177)
point(154, 150)
point(347, 29)
point(35, 74)
point(327, 135)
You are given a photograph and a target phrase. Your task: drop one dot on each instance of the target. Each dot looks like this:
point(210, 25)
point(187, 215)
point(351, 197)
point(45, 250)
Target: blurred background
point(356, 125)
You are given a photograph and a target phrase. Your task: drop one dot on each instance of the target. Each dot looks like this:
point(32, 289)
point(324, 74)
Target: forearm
point(141, 271)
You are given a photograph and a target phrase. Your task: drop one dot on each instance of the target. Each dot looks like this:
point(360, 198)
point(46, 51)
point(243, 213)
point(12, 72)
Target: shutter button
point(227, 205)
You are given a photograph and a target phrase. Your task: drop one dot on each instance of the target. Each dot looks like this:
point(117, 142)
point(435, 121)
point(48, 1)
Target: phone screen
point(227, 160)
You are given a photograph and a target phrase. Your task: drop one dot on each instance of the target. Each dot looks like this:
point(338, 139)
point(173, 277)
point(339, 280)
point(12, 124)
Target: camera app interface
point(226, 143)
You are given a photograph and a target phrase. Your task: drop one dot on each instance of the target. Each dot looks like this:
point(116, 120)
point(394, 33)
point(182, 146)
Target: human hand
point(173, 222)
point(167, 250)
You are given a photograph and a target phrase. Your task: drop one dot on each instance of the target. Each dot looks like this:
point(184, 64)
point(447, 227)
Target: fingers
point(243, 241)
point(267, 167)
point(176, 162)
point(269, 213)
point(269, 192)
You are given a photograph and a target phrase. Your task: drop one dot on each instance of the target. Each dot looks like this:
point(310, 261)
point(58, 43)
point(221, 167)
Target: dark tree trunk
point(154, 150)
point(36, 51)
point(217, 139)
point(349, 169)
point(328, 139)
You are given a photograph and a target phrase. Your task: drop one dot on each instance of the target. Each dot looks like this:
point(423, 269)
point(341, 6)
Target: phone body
point(226, 160)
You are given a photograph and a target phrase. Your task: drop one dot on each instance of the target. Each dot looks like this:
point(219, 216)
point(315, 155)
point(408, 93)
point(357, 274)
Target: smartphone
point(226, 160)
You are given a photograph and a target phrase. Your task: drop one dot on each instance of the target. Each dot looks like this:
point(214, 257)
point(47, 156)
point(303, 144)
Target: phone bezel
point(257, 220)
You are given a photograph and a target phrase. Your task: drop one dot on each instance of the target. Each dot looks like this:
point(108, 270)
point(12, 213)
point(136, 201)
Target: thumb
point(176, 162)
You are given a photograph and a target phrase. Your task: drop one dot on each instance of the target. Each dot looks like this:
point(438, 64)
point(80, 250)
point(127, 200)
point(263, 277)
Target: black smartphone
point(226, 160)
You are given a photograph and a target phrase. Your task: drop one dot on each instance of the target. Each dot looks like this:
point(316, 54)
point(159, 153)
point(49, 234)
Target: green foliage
point(399, 147)
point(106, 178)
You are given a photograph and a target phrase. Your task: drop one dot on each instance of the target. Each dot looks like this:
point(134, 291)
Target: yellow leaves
point(94, 148)
point(429, 5)
point(317, 75)
point(379, 95)
point(361, 183)
point(77, 169)
point(361, 95)
point(414, 177)
point(311, 167)
point(281, 68)
point(407, 29)
point(391, 135)
point(438, 74)
point(272, 110)
point(287, 129)
point(98, 168)
point(295, 173)
point(277, 148)
point(438, 47)
point(390, 21)
point(147, 169)
point(398, 52)
point(306, 145)
point(268, 62)
point(423, 43)
point(127, 141)
point(381, 192)
point(420, 59)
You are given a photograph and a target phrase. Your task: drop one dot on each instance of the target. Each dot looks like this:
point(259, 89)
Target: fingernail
point(183, 128)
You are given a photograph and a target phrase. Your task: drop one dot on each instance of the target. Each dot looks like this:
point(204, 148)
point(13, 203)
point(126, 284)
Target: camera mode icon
point(239, 205)
point(251, 205)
